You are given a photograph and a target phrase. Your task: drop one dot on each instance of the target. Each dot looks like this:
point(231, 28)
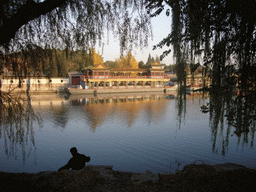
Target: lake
point(136, 132)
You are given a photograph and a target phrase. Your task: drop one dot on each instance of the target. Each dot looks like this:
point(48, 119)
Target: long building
point(102, 79)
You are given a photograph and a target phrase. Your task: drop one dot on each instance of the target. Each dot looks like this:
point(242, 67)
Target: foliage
point(171, 68)
point(70, 25)
point(127, 62)
point(110, 64)
point(16, 124)
point(142, 65)
point(96, 58)
point(49, 62)
point(150, 60)
point(235, 113)
point(221, 33)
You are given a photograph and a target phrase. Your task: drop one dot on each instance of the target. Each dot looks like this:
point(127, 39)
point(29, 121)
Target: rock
point(144, 177)
point(204, 168)
point(105, 171)
point(229, 167)
point(198, 168)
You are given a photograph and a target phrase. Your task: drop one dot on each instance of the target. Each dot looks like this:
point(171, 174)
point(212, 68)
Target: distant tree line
point(57, 62)
point(48, 62)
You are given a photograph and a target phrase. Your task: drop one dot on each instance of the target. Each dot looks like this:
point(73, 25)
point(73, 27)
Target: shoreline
point(193, 177)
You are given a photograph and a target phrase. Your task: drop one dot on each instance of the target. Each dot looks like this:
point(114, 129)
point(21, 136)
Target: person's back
point(77, 162)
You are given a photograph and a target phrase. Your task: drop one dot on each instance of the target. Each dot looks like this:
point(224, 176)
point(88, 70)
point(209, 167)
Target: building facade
point(101, 77)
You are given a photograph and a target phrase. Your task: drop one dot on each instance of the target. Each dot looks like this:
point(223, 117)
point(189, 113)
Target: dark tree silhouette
point(70, 24)
point(219, 32)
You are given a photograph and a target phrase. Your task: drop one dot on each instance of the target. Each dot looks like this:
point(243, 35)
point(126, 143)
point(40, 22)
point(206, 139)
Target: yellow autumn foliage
point(96, 58)
point(127, 62)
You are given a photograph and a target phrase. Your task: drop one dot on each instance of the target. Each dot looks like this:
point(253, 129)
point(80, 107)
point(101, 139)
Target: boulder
point(144, 177)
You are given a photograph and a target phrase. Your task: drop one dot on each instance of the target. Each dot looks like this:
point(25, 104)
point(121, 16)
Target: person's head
point(73, 151)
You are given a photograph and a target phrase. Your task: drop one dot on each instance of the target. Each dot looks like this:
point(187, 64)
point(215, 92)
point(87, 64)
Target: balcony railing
point(123, 77)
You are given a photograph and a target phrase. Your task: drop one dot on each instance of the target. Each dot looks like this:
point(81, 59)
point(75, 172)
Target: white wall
point(36, 84)
point(41, 81)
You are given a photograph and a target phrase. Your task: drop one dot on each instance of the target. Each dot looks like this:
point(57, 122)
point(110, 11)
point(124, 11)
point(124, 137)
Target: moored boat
point(75, 91)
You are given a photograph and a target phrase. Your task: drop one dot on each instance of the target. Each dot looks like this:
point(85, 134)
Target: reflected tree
point(220, 34)
point(242, 116)
point(181, 106)
point(16, 125)
point(60, 116)
point(236, 115)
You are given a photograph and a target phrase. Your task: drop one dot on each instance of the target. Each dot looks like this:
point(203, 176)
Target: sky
point(161, 27)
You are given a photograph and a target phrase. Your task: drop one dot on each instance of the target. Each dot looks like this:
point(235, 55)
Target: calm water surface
point(131, 132)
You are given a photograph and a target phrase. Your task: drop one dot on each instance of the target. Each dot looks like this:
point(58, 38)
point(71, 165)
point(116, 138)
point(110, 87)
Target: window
point(100, 73)
point(61, 81)
point(75, 80)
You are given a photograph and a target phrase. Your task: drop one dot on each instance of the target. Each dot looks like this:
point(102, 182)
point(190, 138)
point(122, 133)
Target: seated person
point(77, 162)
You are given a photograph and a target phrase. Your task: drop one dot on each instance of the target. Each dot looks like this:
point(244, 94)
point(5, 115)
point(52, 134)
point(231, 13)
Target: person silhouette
point(77, 162)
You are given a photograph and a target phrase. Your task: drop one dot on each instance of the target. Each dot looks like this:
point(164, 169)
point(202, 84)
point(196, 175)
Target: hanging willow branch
point(217, 32)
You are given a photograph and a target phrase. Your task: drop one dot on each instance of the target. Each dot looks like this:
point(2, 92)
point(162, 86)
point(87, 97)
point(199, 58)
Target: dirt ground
point(226, 177)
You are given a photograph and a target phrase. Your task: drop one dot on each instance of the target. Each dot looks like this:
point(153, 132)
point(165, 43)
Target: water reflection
point(60, 116)
point(126, 108)
point(181, 107)
point(16, 125)
point(229, 116)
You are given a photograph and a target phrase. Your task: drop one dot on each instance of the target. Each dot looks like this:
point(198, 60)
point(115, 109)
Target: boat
point(100, 79)
point(194, 87)
point(138, 89)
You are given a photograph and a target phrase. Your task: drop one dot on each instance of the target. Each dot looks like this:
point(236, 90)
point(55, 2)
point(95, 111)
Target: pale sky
point(161, 28)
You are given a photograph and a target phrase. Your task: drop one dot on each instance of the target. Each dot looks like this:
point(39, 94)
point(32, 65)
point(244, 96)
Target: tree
point(70, 24)
point(221, 32)
point(127, 62)
point(110, 64)
point(157, 59)
point(96, 58)
point(150, 60)
point(142, 65)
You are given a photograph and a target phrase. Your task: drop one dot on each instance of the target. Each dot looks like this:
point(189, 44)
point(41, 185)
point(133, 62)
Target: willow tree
point(219, 33)
point(70, 24)
point(36, 27)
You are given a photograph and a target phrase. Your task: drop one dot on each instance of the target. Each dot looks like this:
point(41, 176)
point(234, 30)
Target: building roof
point(75, 73)
point(97, 67)
point(157, 64)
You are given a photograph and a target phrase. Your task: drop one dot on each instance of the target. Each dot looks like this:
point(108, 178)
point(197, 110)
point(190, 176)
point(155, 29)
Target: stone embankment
point(223, 177)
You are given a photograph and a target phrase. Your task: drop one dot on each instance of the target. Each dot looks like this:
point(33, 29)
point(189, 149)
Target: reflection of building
point(98, 110)
point(102, 77)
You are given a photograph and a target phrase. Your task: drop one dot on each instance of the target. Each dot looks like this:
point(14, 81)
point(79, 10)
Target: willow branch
point(26, 13)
